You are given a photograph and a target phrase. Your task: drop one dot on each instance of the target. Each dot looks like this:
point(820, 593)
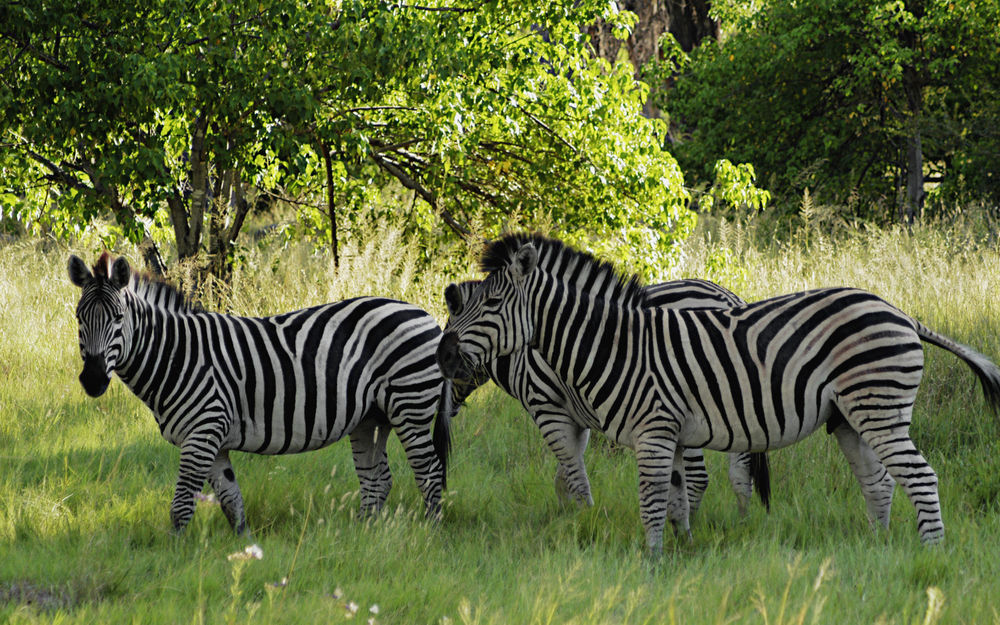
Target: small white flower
point(352, 607)
point(373, 609)
point(251, 552)
point(254, 551)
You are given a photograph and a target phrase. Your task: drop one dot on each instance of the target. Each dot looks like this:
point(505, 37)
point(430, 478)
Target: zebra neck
point(581, 337)
point(156, 340)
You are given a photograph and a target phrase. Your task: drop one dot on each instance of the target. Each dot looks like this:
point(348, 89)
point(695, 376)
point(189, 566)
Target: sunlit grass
point(85, 485)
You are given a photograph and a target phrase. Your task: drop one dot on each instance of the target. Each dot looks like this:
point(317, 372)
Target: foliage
point(824, 94)
point(485, 111)
point(74, 497)
point(734, 187)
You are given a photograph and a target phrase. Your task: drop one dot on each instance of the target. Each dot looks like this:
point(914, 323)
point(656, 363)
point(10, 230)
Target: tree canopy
point(877, 100)
point(193, 109)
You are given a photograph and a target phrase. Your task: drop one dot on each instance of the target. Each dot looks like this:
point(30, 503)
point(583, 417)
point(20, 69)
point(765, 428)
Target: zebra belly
point(752, 432)
point(327, 369)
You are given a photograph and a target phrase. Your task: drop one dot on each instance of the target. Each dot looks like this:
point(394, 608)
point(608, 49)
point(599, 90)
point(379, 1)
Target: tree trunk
point(914, 177)
point(687, 20)
point(188, 210)
point(151, 257)
point(226, 218)
point(330, 205)
point(914, 89)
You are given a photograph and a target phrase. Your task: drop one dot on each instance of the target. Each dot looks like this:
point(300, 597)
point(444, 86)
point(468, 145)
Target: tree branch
point(428, 196)
point(38, 54)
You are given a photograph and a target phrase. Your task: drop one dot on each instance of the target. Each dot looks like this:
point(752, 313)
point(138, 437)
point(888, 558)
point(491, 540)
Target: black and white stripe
point(750, 378)
point(559, 411)
point(272, 385)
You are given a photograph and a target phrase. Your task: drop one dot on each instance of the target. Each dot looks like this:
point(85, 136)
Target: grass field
point(85, 485)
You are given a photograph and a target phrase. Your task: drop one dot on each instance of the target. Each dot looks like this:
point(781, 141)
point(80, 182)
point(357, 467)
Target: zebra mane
point(154, 291)
point(571, 266)
point(103, 265)
point(161, 294)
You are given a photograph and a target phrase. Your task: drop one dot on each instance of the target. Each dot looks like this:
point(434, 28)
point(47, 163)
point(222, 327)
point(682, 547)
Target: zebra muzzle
point(448, 357)
point(94, 377)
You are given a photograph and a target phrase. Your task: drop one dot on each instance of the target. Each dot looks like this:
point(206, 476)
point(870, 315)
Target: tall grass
point(85, 484)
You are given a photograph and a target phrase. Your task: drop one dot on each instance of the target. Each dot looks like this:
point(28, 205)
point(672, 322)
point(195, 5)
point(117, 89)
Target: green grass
point(85, 485)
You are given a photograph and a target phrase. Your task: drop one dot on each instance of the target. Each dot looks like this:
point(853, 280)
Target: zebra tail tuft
point(760, 471)
point(441, 436)
point(984, 368)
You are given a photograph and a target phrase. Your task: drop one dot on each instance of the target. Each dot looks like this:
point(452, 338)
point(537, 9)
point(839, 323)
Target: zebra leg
point(567, 440)
point(678, 494)
point(695, 477)
point(876, 483)
point(892, 446)
point(198, 453)
point(655, 457)
point(427, 469)
point(223, 481)
point(740, 479)
point(368, 442)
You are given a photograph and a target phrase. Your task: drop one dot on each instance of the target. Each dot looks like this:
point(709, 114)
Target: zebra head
point(491, 321)
point(102, 319)
point(455, 297)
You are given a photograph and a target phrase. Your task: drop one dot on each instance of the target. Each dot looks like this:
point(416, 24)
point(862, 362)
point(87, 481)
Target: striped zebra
point(750, 378)
point(272, 385)
point(556, 409)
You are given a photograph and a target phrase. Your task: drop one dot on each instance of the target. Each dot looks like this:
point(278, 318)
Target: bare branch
point(424, 193)
point(438, 9)
point(38, 54)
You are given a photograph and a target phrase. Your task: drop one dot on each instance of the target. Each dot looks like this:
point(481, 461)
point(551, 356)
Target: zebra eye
point(492, 302)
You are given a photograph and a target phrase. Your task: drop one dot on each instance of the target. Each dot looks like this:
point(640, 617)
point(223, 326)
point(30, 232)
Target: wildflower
point(251, 552)
point(281, 584)
point(373, 609)
point(208, 498)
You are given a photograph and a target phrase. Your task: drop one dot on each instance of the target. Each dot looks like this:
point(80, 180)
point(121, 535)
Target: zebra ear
point(453, 299)
point(120, 272)
point(524, 261)
point(79, 273)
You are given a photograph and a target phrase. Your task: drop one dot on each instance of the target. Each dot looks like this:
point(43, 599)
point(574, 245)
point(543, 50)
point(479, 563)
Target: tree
point(197, 106)
point(846, 97)
point(687, 21)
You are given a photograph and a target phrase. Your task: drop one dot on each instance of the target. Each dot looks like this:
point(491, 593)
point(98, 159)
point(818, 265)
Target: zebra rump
point(288, 383)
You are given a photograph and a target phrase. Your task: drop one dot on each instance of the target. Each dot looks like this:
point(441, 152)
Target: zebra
point(289, 383)
point(525, 376)
point(750, 378)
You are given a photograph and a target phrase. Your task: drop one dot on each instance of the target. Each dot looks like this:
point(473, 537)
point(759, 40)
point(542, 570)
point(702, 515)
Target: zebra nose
point(94, 377)
point(448, 357)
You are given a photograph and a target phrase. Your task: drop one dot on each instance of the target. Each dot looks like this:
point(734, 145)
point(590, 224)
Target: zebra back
point(577, 268)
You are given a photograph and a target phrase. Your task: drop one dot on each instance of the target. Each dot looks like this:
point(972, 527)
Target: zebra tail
point(984, 368)
point(760, 471)
point(441, 437)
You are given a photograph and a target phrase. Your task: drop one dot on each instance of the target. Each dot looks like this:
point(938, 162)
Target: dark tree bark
point(913, 86)
point(330, 203)
point(687, 20)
